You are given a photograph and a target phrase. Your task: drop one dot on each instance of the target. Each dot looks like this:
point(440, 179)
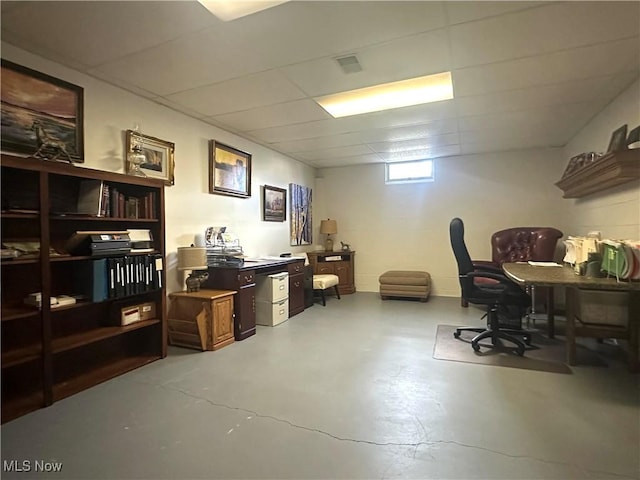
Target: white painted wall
point(109, 111)
point(614, 212)
point(395, 227)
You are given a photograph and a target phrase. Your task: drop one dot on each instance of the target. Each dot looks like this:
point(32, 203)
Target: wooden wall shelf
point(608, 171)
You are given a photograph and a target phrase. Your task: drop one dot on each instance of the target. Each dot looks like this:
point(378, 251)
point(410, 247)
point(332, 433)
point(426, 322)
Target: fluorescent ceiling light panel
point(227, 10)
point(404, 93)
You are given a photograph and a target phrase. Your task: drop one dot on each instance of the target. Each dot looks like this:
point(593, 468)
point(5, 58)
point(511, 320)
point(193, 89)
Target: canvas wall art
point(300, 215)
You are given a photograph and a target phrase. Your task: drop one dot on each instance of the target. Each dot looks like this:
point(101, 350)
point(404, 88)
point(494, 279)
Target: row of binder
point(116, 277)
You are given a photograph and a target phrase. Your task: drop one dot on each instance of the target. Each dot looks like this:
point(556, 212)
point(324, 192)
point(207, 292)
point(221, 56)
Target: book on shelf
point(91, 197)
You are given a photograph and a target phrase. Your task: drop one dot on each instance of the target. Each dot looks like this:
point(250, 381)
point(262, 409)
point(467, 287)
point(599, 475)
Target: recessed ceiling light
point(227, 10)
point(404, 93)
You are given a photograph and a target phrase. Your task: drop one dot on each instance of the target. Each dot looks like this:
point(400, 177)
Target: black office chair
point(501, 296)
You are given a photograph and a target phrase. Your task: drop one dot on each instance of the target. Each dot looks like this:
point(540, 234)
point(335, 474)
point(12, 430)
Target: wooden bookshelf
point(50, 353)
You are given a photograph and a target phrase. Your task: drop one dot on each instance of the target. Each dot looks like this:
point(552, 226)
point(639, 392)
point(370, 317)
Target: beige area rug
point(544, 354)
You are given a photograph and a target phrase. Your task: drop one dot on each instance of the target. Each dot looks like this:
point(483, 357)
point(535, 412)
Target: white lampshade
point(192, 258)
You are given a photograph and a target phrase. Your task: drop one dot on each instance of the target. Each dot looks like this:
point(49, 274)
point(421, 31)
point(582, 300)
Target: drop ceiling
point(525, 74)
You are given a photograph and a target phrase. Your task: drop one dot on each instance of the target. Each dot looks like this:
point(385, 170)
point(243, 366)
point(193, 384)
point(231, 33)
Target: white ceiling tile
point(422, 54)
point(298, 31)
point(554, 27)
point(398, 134)
point(435, 152)
point(460, 12)
point(339, 140)
point(533, 97)
point(107, 29)
point(299, 111)
point(239, 94)
point(191, 55)
point(340, 152)
point(344, 161)
point(424, 143)
point(592, 61)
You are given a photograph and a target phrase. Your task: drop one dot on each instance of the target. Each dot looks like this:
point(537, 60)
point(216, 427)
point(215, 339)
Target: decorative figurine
point(345, 247)
point(194, 280)
point(47, 141)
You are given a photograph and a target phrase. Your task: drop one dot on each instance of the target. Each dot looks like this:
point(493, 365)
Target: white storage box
point(272, 288)
point(272, 314)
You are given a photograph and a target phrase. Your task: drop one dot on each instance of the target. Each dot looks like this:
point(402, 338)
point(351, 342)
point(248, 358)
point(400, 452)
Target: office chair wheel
point(520, 350)
point(475, 346)
point(456, 334)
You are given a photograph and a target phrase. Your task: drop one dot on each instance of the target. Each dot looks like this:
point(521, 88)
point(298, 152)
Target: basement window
point(409, 172)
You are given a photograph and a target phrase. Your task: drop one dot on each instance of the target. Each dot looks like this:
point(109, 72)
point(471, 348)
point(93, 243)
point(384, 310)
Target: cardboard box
point(603, 308)
point(137, 313)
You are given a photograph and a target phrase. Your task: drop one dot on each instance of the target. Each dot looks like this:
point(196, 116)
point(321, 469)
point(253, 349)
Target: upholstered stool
point(405, 284)
point(324, 281)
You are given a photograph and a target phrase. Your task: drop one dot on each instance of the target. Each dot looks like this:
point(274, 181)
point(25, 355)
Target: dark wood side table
point(338, 263)
point(201, 320)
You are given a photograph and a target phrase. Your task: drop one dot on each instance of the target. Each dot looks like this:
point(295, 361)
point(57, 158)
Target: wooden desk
point(525, 274)
point(242, 279)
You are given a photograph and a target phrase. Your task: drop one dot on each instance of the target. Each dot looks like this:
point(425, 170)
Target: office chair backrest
point(456, 235)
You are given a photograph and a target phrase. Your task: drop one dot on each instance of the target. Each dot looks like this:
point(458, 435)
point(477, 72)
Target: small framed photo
point(42, 116)
point(159, 156)
point(634, 136)
point(229, 170)
point(618, 140)
point(274, 204)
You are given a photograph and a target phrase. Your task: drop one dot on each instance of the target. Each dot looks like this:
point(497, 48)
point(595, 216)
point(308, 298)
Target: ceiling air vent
point(349, 64)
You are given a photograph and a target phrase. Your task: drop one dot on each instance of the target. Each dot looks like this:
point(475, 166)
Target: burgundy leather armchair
point(520, 244)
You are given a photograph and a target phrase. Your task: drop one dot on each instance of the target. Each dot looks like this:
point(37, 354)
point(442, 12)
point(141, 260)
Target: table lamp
point(194, 259)
point(328, 227)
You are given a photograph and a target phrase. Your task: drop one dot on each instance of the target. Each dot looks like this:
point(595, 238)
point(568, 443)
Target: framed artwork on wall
point(618, 139)
point(159, 156)
point(300, 216)
point(274, 204)
point(42, 116)
point(229, 170)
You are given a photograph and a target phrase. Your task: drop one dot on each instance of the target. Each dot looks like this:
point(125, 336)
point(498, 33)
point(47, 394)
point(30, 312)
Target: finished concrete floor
point(349, 390)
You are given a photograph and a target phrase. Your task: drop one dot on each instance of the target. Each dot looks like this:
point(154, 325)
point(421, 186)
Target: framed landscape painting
point(274, 204)
point(229, 170)
point(42, 116)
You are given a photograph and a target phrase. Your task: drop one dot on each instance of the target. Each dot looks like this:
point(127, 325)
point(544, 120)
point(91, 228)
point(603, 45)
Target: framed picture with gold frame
point(229, 170)
point(159, 156)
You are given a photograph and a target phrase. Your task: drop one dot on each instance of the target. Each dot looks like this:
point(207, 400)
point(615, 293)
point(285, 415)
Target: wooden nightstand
point(201, 320)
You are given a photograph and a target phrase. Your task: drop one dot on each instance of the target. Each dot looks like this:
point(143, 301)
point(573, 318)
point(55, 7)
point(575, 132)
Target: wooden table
point(525, 274)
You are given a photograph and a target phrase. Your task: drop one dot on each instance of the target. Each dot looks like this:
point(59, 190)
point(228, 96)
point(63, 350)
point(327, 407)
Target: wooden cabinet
point(51, 352)
point(202, 320)
point(337, 263)
point(243, 282)
point(296, 288)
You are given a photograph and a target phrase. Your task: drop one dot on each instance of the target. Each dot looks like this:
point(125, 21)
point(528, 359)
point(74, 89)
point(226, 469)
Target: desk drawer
point(246, 278)
point(297, 267)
